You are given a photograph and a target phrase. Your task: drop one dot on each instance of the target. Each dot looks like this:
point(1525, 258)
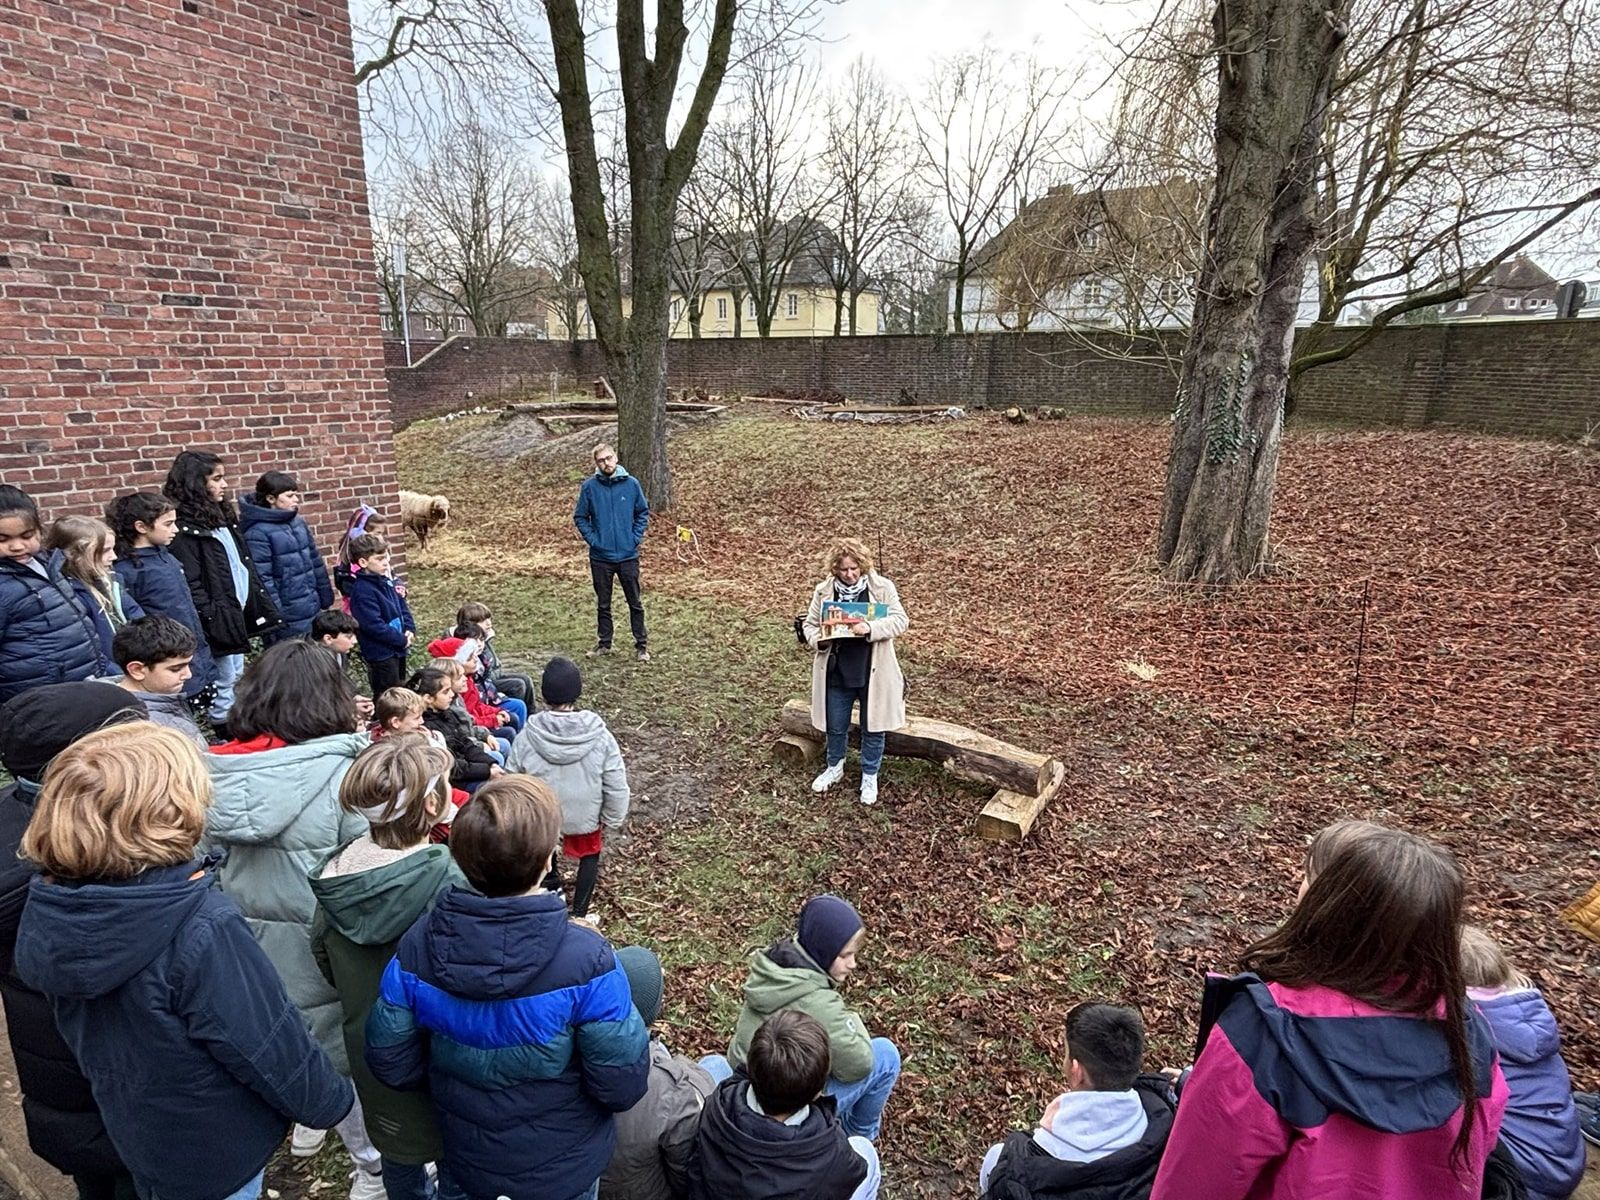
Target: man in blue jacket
point(612, 515)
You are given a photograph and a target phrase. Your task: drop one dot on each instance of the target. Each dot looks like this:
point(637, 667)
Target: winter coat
point(522, 1024)
point(1541, 1124)
point(358, 923)
point(156, 582)
point(578, 757)
point(228, 624)
point(193, 1050)
point(127, 610)
point(58, 1108)
point(483, 713)
point(612, 515)
point(740, 1154)
point(288, 561)
point(784, 976)
point(461, 738)
point(886, 686)
point(45, 635)
point(1301, 1093)
point(277, 813)
point(382, 615)
point(174, 713)
point(1026, 1170)
point(656, 1136)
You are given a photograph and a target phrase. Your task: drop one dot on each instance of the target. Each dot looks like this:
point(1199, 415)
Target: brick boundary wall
point(1532, 378)
point(184, 252)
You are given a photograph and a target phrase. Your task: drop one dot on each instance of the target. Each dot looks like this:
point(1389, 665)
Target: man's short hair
point(331, 623)
point(1107, 1041)
point(788, 1061)
point(152, 640)
point(368, 545)
point(503, 840)
point(605, 446)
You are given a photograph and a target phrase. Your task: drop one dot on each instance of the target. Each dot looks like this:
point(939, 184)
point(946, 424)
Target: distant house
point(1515, 290)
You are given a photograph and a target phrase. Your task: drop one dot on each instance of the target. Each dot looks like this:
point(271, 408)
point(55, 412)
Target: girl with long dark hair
point(1347, 1060)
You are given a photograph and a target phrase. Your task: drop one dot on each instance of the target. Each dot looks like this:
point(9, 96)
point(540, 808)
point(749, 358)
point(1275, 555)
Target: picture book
point(838, 616)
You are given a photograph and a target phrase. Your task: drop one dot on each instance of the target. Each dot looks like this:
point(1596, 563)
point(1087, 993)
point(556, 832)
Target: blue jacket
point(522, 1025)
point(382, 615)
point(197, 1059)
point(45, 637)
point(288, 561)
point(155, 581)
point(102, 623)
point(1540, 1127)
point(612, 515)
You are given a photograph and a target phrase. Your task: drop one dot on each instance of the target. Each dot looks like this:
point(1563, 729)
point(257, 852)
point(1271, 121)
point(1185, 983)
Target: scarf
point(849, 594)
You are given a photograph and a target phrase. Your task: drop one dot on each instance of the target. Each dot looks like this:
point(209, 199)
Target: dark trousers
point(386, 673)
point(628, 574)
point(583, 890)
point(516, 687)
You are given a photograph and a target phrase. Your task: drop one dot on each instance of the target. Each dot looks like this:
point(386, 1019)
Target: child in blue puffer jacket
point(144, 524)
point(286, 557)
point(45, 636)
point(1540, 1127)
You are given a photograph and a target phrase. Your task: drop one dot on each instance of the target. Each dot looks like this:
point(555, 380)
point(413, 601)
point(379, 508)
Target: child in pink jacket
point(1346, 1062)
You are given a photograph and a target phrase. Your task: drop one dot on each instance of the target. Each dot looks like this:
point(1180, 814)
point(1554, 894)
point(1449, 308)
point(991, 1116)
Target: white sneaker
point(365, 1186)
point(869, 789)
point(829, 777)
point(307, 1143)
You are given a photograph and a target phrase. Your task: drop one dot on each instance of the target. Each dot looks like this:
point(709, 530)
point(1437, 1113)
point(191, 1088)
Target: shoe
point(599, 650)
point(869, 789)
point(1589, 1125)
point(644, 655)
point(366, 1186)
point(829, 777)
point(307, 1143)
point(1586, 1101)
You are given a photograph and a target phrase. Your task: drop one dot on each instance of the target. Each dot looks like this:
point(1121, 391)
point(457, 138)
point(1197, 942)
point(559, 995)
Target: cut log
point(1009, 816)
point(964, 753)
point(796, 751)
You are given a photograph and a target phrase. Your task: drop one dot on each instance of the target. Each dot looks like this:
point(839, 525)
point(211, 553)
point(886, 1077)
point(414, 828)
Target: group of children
point(312, 910)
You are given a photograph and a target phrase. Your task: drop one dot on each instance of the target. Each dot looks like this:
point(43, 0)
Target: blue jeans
point(409, 1181)
point(517, 709)
point(839, 702)
point(860, 1103)
point(229, 668)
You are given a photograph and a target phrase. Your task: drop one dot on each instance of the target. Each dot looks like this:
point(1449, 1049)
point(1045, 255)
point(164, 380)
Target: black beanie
point(43, 721)
point(561, 683)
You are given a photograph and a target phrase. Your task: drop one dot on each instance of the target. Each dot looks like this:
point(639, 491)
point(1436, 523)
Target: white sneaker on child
point(307, 1143)
point(365, 1186)
point(829, 777)
point(869, 789)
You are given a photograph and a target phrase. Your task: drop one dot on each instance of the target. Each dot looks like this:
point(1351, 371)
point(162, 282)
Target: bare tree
point(554, 250)
point(1276, 62)
point(985, 130)
point(696, 264)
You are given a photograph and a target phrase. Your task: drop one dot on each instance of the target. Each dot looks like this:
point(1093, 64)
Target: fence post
point(1361, 647)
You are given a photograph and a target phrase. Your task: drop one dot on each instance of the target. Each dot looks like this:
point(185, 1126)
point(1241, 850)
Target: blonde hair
point(81, 541)
point(119, 801)
point(394, 703)
point(847, 547)
point(401, 784)
point(599, 446)
point(451, 668)
point(1485, 965)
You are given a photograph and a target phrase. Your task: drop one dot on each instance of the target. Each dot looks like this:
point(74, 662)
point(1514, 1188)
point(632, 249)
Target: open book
point(839, 615)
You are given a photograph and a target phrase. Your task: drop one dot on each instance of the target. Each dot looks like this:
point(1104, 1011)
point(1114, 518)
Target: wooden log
point(796, 751)
point(885, 408)
point(1009, 816)
point(964, 753)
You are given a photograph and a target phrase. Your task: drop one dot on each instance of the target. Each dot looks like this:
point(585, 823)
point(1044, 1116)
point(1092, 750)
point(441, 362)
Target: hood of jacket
point(1126, 1164)
point(1524, 1027)
point(85, 940)
point(742, 1152)
point(781, 975)
point(1390, 1072)
point(259, 795)
point(373, 908)
point(493, 948)
point(1084, 1126)
point(564, 737)
point(251, 513)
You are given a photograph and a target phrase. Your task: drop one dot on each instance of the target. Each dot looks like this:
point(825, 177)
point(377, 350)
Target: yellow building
point(805, 310)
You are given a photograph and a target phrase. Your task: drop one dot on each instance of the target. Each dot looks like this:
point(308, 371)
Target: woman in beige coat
point(859, 666)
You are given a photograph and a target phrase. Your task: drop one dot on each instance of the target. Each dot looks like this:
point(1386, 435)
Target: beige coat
point(886, 686)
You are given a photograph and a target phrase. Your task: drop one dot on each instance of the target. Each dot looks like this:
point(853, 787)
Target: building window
point(1171, 295)
point(677, 310)
point(1513, 302)
point(752, 308)
point(1094, 293)
point(722, 308)
point(1089, 239)
point(794, 305)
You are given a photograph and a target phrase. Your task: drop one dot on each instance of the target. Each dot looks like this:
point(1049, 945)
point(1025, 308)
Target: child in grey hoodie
point(577, 756)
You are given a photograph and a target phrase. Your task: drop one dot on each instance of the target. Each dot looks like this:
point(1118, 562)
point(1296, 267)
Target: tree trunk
point(1275, 65)
point(838, 312)
point(641, 382)
point(961, 289)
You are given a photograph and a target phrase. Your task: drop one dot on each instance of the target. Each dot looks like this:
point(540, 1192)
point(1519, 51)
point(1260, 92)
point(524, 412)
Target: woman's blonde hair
point(81, 541)
point(847, 547)
point(119, 801)
point(401, 784)
point(1484, 964)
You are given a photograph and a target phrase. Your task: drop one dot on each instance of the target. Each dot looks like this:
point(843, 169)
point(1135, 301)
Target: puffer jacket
point(287, 559)
point(740, 1154)
point(655, 1138)
point(155, 581)
point(784, 976)
point(45, 635)
point(522, 1024)
point(127, 610)
point(579, 758)
point(277, 814)
point(462, 739)
point(228, 624)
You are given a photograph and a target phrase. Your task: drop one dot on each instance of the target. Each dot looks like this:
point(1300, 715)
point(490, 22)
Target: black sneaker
point(598, 650)
point(1589, 1125)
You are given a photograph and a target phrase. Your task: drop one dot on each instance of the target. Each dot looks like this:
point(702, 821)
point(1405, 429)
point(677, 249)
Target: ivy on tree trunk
point(1275, 65)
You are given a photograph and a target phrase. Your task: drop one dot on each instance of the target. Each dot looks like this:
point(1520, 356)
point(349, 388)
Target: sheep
point(423, 514)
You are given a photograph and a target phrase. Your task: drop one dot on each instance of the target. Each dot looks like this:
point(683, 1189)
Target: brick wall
point(184, 251)
point(1533, 378)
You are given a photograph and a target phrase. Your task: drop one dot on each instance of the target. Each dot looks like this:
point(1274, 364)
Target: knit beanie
point(643, 970)
point(826, 924)
point(43, 721)
point(561, 683)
